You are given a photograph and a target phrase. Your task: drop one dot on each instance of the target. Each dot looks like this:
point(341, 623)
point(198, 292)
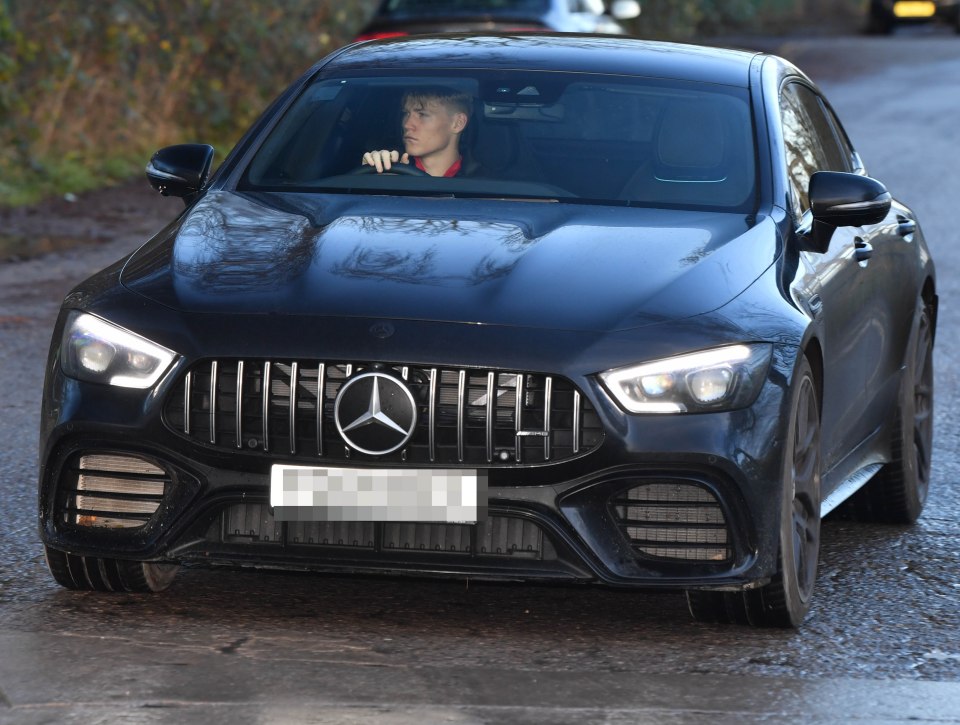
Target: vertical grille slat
point(577, 421)
point(213, 402)
point(321, 403)
point(547, 407)
point(461, 407)
point(466, 417)
point(491, 415)
point(432, 414)
point(187, 402)
point(266, 406)
point(293, 409)
point(518, 420)
point(240, 404)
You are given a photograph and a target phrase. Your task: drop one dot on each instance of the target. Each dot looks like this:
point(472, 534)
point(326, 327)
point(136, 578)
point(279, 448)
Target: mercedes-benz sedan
point(614, 312)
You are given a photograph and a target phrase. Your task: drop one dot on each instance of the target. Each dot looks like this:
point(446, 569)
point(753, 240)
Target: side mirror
point(625, 9)
point(847, 200)
point(839, 199)
point(180, 170)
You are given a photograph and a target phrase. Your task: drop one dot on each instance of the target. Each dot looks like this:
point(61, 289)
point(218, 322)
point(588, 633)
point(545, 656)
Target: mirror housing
point(180, 170)
point(847, 200)
point(840, 199)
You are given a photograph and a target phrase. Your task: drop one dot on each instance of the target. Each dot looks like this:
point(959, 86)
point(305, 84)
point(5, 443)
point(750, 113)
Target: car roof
point(549, 52)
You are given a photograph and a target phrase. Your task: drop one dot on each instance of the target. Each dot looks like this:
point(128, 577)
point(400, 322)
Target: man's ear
point(459, 122)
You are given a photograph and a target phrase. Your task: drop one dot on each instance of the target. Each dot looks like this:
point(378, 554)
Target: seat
point(500, 153)
point(698, 158)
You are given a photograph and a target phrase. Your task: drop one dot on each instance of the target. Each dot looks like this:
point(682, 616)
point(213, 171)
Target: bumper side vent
point(114, 491)
point(673, 520)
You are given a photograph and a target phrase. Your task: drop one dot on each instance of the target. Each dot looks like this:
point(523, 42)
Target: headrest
point(691, 142)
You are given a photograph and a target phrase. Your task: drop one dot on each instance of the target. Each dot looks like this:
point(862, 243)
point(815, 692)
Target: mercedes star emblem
point(375, 413)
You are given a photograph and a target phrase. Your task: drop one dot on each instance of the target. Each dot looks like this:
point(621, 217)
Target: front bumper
point(569, 520)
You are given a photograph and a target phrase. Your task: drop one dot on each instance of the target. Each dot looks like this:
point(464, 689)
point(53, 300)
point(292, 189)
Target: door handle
point(863, 251)
point(816, 305)
point(905, 226)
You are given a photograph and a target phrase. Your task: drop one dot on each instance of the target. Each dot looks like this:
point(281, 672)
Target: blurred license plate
point(310, 493)
point(914, 9)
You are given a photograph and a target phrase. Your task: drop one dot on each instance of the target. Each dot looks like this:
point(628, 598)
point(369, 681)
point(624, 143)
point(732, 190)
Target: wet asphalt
point(881, 645)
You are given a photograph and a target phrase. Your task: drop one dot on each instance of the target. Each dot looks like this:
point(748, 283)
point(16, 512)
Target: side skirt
point(849, 487)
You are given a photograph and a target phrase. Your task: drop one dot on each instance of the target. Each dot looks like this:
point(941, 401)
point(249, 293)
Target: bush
point(112, 80)
point(690, 19)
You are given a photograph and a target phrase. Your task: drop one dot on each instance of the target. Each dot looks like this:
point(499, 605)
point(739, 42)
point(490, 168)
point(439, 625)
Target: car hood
point(526, 264)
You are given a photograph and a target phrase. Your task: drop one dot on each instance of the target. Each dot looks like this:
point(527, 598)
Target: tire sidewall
point(796, 604)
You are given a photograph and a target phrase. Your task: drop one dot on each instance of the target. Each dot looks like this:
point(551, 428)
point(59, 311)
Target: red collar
point(452, 171)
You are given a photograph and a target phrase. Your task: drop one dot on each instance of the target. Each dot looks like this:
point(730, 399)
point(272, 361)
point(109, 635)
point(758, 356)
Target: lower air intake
point(497, 536)
point(673, 520)
point(114, 491)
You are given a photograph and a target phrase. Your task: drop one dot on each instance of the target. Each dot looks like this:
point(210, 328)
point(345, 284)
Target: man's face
point(429, 127)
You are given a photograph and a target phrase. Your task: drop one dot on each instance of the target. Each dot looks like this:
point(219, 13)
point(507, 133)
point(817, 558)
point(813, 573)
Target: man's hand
point(384, 159)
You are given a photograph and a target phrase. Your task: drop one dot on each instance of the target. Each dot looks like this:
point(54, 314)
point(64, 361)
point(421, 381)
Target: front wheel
point(98, 574)
point(785, 600)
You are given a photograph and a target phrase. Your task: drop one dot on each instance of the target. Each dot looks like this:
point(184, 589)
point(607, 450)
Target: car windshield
point(433, 7)
point(557, 136)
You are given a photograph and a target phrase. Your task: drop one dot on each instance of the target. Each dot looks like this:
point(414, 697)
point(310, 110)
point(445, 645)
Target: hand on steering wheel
point(389, 162)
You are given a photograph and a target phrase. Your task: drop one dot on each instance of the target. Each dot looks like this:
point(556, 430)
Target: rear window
point(544, 135)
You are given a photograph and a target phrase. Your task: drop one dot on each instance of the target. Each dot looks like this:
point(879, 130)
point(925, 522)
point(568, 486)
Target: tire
point(785, 600)
point(96, 574)
point(897, 494)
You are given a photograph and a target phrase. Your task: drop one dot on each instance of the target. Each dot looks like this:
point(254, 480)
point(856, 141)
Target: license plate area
point(313, 493)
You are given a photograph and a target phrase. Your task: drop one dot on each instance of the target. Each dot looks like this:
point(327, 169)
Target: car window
point(564, 136)
point(810, 142)
point(843, 140)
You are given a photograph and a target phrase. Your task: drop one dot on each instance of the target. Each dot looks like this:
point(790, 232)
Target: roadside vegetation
point(89, 89)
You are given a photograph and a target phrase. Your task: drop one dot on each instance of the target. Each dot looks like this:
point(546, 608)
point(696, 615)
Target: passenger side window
point(810, 142)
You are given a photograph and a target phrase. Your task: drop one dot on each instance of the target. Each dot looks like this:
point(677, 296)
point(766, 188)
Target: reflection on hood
point(540, 265)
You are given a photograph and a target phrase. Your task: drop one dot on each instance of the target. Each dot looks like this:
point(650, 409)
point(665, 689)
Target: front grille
point(113, 491)
point(497, 536)
point(673, 519)
point(465, 417)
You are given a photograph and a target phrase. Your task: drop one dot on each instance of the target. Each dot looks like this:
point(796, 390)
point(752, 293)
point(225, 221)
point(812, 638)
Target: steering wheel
point(397, 168)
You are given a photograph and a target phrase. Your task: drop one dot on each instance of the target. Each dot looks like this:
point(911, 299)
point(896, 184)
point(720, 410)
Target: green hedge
point(89, 89)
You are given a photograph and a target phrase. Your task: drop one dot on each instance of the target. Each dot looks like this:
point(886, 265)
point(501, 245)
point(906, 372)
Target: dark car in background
point(417, 17)
point(661, 325)
point(885, 15)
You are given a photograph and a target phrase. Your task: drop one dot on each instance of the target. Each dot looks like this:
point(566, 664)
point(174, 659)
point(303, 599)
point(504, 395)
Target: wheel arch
point(814, 354)
point(929, 296)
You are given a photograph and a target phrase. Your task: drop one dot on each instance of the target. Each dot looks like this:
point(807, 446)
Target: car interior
point(577, 138)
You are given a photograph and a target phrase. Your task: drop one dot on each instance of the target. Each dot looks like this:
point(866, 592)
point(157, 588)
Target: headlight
point(95, 350)
point(720, 379)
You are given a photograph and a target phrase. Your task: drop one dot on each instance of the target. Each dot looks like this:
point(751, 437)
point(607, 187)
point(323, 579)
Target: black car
point(884, 15)
point(417, 17)
point(657, 324)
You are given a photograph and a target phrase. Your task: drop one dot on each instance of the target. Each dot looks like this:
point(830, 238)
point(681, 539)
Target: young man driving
point(433, 120)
